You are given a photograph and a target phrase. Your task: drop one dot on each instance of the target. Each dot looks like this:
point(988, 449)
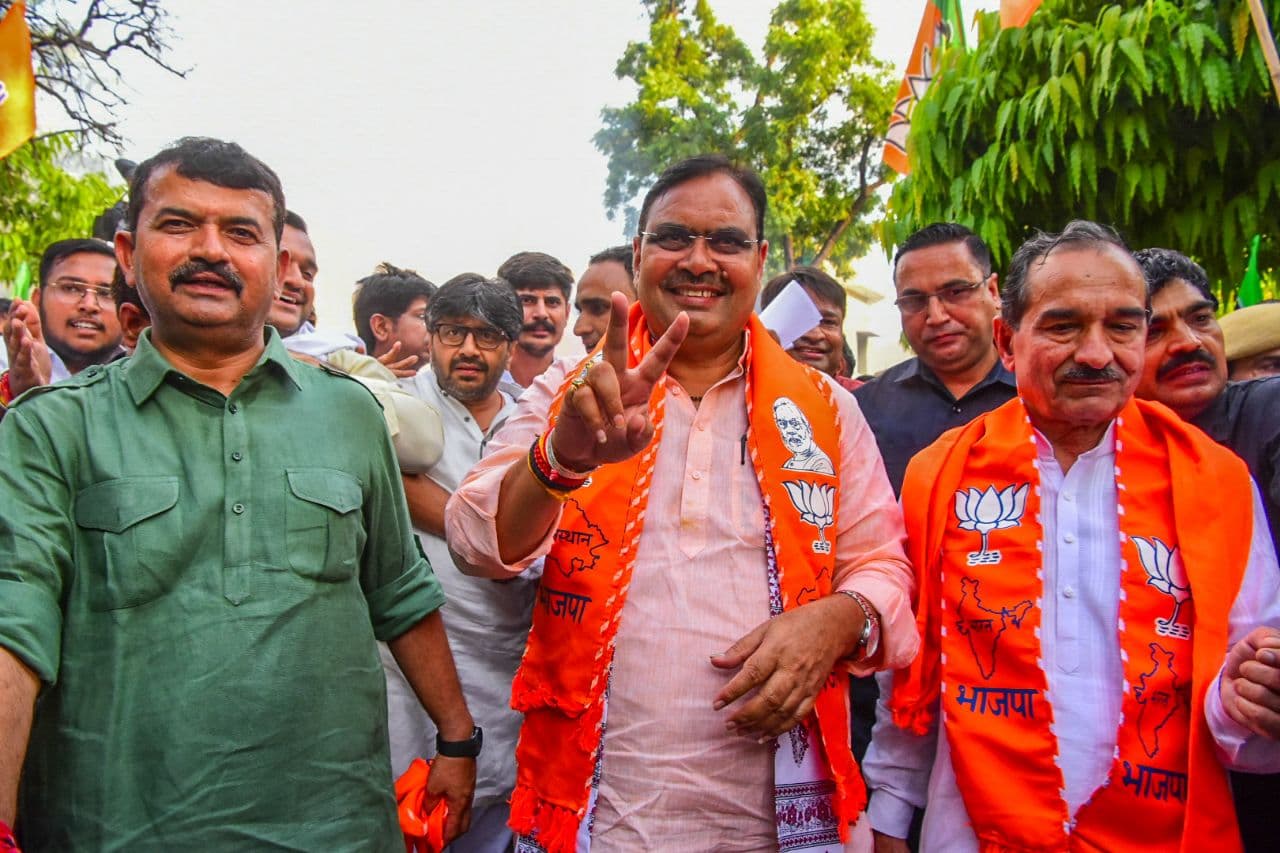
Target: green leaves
point(808, 112)
point(1156, 117)
point(41, 202)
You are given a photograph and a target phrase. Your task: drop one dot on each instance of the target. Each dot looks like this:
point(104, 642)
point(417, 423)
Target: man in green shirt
point(198, 548)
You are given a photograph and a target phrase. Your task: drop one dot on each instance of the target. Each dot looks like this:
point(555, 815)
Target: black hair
point(1161, 266)
point(489, 299)
point(389, 292)
point(61, 249)
point(618, 254)
point(293, 220)
point(811, 279)
point(700, 166)
point(536, 271)
point(123, 294)
point(850, 360)
point(942, 233)
point(224, 164)
point(1078, 233)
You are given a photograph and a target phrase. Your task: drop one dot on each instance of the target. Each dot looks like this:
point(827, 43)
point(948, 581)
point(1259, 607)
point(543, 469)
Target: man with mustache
point(685, 683)
point(70, 322)
point(542, 284)
point(1186, 369)
point(473, 323)
point(1112, 565)
point(194, 593)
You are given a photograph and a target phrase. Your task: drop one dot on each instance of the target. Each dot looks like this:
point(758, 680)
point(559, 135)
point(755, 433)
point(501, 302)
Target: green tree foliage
point(1156, 116)
point(40, 201)
point(809, 115)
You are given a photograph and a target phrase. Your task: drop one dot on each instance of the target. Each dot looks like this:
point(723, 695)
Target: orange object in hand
point(423, 832)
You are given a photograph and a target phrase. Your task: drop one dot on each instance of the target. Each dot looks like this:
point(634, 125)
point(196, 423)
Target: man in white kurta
point(487, 622)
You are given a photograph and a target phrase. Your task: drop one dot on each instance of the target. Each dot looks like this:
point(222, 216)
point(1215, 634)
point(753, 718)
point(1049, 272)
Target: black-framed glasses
point(74, 291)
point(453, 335)
point(677, 238)
point(952, 294)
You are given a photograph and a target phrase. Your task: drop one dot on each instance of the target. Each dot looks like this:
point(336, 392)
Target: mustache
point(192, 268)
point(1081, 373)
point(478, 364)
point(539, 325)
point(678, 278)
point(1182, 360)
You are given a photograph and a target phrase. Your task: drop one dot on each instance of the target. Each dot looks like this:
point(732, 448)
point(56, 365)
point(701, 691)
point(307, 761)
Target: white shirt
point(487, 622)
point(1085, 676)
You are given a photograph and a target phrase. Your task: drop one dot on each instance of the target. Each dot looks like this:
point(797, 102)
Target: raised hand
point(29, 362)
point(605, 416)
point(401, 367)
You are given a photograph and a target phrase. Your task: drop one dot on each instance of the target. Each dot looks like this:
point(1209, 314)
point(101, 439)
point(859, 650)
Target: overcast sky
point(442, 136)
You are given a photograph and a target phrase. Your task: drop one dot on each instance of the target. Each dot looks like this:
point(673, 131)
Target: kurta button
point(1069, 538)
point(697, 475)
point(1069, 591)
point(237, 508)
point(233, 408)
point(236, 456)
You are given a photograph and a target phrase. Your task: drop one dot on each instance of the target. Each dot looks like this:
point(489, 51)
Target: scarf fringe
point(555, 828)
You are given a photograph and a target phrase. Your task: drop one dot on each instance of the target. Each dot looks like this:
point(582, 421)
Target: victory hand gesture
point(605, 416)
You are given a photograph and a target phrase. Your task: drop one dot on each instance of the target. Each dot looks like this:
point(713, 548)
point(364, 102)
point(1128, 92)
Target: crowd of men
point(251, 569)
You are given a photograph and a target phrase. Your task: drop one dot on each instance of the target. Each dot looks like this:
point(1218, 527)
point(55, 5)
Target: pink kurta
point(672, 777)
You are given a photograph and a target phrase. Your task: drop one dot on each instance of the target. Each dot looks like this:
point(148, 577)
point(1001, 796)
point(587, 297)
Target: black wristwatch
point(469, 748)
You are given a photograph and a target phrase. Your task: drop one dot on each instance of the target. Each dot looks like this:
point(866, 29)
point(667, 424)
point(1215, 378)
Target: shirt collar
point(916, 368)
point(146, 369)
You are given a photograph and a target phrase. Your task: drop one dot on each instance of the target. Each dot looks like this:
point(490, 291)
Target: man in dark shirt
point(1186, 369)
point(948, 299)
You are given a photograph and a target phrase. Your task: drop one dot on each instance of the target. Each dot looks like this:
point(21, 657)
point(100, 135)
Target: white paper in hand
point(791, 314)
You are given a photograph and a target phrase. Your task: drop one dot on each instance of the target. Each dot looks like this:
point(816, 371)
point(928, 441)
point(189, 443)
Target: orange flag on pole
point(942, 19)
point(1016, 13)
point(17, 81)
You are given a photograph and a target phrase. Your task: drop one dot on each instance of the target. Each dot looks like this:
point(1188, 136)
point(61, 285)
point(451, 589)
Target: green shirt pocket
point(129, 528)
point(324, 531)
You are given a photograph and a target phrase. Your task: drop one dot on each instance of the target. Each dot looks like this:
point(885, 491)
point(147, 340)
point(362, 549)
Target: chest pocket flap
point(323, 532)
point(337, 490)
point(117, 505)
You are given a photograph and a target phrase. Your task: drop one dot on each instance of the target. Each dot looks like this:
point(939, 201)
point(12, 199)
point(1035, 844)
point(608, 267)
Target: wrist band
point(554, 483)
point(6, 392)
point(566, 473)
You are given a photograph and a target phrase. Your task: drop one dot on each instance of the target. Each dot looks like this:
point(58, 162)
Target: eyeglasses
point(452, 335)
point(954, 294)
point(74, 291)
point(677, 238)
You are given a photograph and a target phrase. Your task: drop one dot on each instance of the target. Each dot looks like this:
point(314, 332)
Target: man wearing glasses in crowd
point(70, 322)
point(474, 323)
point(948, 300)
point(643, 477)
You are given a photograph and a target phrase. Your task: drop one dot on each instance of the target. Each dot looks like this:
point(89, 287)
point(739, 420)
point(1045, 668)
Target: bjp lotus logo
point(1166, 573)
point(990, 510)
point(817, 506)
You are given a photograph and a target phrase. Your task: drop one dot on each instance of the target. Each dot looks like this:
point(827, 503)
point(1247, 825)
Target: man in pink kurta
point(677, 772)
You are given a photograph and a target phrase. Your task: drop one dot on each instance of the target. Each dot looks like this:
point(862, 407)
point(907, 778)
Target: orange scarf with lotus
point(972, 505)
point(794, 439)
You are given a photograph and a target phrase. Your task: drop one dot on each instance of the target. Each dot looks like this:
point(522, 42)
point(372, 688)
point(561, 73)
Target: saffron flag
point(1250, 292)
point(1016, 13)
point(17, 82)
point(942, 19)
